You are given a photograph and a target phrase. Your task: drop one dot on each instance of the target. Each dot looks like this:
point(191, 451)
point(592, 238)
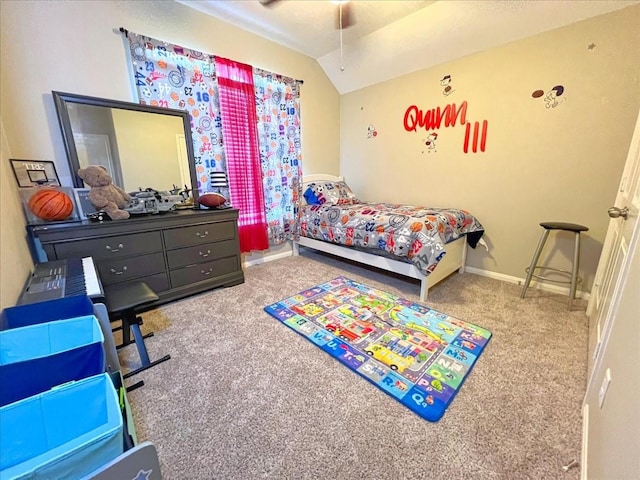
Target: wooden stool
point(122, 301)
point(568, 227)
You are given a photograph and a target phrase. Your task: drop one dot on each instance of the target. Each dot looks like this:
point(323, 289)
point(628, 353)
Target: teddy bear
point(104, 195)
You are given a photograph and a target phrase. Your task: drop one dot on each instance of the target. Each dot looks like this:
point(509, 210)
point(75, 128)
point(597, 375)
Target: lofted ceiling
point(393, 37)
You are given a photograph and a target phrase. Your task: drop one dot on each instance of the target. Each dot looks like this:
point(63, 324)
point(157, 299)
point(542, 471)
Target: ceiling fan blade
point(348, 18)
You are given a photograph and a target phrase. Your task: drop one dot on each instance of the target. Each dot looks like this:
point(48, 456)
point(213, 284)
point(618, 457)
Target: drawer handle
point(207, 273)
point(205, 255)
point(114, 250)
point(202, 235)
point(124, 269)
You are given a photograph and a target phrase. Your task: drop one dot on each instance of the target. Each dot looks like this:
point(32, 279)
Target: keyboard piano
point(62, 278)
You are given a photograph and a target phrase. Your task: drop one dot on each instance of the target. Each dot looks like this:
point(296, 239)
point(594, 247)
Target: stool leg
point(534, 262)
point(142, 349)
point(131, 322)
point(574, 271)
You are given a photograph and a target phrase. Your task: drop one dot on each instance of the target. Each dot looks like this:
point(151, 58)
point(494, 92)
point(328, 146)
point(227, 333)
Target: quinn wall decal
point(433, 119)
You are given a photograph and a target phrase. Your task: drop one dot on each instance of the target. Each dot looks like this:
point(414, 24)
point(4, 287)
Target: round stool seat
point(571, 227)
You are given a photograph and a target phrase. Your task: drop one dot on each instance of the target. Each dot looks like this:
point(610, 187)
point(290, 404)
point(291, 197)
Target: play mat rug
point(416, 354)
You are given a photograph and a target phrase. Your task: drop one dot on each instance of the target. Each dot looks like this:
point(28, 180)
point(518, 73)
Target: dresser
point(176, 253)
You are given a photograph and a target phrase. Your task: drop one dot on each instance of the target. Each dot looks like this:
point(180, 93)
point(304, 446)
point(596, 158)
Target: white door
point(611, 430)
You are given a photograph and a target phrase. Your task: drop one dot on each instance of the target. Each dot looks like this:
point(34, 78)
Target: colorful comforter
point(416, 234)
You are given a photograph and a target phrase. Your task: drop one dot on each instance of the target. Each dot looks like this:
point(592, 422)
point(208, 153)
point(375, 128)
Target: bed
point(427, 244)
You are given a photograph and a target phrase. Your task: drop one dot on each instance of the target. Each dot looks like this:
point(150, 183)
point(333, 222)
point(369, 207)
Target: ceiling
point(392, 37)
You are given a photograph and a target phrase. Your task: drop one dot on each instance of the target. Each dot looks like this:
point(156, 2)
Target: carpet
point(417, 355)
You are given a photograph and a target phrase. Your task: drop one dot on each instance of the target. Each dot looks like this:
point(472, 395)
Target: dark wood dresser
point(176, 253)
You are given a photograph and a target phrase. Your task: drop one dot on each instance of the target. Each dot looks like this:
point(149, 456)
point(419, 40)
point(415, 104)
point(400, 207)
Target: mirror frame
point(62, 99)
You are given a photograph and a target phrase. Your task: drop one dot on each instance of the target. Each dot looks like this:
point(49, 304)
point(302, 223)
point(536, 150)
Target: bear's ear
point(81, 173)
point(104, 168)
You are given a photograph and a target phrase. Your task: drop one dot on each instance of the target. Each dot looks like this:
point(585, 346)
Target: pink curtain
point(240, 133)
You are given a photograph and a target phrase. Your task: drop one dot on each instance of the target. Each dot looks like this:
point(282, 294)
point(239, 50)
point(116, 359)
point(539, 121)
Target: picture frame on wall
point(35, 173)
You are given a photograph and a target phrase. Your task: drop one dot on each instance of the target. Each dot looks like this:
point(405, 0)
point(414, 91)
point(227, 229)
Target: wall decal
point(451, 115)
point(431, 141)
point(371, 131)
point(591, 46)
point(483, 137)
point(551, 98)
point(445, 82)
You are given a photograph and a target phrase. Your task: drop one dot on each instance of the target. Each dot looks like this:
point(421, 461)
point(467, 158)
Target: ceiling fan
point(344, 13)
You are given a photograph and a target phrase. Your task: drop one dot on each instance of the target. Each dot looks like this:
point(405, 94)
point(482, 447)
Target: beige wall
point(15, 260)
point(540, 164)
point(149, 146)
point(75, 47)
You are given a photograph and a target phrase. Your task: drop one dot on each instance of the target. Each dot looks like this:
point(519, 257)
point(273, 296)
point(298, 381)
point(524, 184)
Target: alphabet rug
point(418, 355)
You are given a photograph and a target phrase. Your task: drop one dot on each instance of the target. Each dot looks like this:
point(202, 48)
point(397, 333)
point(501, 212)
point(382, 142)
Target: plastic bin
point(65, 433)
point(38, 357)
point(33, 313)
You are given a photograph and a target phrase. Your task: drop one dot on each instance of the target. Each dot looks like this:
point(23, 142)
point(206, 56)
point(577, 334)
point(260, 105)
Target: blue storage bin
point(33, 313)
point(65, 433)
point(36, 358)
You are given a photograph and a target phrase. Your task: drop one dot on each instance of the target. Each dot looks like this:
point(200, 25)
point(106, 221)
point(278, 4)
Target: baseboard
point(475, 271)
point(520, 281)
point(267, 258)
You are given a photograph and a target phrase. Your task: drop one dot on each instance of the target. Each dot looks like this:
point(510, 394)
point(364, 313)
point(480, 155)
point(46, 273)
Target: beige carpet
point(245, 397)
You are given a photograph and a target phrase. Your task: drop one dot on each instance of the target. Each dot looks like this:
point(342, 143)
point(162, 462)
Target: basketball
point(50, 204)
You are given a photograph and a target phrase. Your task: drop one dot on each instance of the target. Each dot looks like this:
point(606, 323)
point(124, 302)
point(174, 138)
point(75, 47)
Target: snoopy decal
point(551, 98)
point(431, 141)
point(445, 82)
point(371, 131)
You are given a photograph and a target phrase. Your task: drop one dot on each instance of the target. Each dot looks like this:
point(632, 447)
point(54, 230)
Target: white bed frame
point(453, 261)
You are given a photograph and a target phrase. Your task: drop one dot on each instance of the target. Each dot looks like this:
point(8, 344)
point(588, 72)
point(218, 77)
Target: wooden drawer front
point(116, 271)
point(158, 283)
point(196, 235)
point(202, 253)
point(204, 271)
point(111, 247)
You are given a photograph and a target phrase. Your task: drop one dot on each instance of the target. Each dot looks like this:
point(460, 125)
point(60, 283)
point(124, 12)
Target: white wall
point(15, 259)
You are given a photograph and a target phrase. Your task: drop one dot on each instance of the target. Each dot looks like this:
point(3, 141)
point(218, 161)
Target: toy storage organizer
point(59, 410)
point(36, 358)
point(66, 432)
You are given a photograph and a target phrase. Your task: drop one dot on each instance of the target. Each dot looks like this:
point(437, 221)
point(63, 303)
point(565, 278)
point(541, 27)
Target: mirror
point(141, 146)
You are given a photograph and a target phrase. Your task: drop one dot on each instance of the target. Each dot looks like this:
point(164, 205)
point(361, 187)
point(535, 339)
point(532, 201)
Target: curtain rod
point(126, 34)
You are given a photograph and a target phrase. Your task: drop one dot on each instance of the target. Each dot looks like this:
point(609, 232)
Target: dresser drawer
point(115, 271)
point(202, 253)
point(111, 247)
point(198, 234)
point(204, 271)
point(158, 283)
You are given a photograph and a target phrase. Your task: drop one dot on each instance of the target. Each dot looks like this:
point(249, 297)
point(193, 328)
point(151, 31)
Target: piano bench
point(122, 301)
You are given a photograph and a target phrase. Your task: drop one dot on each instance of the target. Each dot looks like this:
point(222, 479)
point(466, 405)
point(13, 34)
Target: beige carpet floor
point(245, 397)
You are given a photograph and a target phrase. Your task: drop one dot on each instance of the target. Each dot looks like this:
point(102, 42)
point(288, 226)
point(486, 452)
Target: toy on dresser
point(104, 195)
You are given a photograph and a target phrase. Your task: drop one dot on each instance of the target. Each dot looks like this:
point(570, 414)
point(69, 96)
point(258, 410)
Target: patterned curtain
point(278, 112)
point(172, 76)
